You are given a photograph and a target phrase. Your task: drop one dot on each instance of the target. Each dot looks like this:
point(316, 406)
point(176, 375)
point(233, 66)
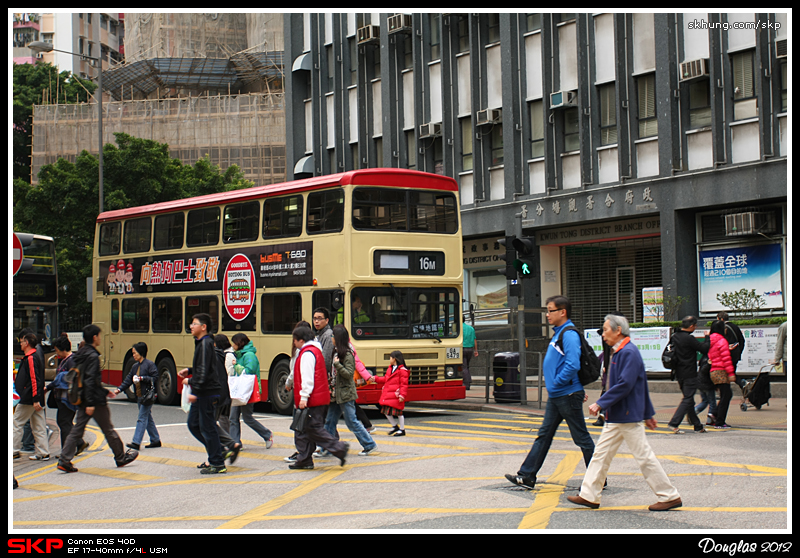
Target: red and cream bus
point(380, 248)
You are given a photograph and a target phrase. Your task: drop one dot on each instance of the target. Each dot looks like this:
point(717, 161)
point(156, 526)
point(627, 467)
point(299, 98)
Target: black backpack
point(590, 365)
point(669, 357)
point(74, 379)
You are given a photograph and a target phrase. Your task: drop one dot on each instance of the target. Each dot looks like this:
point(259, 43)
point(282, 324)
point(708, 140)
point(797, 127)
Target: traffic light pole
point(523, 377)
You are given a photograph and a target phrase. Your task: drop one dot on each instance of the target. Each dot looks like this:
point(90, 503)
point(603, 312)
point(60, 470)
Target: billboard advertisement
point(745, 267)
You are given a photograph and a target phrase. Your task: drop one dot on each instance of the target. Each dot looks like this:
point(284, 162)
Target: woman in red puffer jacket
point(719, 355)
point(395, 391)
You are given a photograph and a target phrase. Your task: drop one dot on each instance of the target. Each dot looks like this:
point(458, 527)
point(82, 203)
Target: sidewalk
point(663, 394)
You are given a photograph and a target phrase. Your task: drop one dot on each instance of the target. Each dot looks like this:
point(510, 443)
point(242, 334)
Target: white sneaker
point(368, 452)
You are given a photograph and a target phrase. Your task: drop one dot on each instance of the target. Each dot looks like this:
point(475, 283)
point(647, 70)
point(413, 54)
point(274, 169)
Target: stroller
point(756, 391)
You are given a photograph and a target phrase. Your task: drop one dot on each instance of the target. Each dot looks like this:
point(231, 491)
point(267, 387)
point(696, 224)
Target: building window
point(466, 144)
point(537, 129)
point(411, 147)
point(572, 140)
point(408, 52)
point(608, 115)
point(533, 22)
point(648, 120)
point(699, 104)
point(744, 93)
point(784, 88)
point(497, 144)
point(494, 28)
point(463, 34)
point(353, 63)
point(436, 52)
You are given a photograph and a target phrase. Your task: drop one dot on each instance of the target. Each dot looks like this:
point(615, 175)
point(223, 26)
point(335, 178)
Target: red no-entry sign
point(17, 256)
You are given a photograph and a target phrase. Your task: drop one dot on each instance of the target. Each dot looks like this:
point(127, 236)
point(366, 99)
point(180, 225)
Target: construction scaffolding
point(244, 130)
point(205, 84)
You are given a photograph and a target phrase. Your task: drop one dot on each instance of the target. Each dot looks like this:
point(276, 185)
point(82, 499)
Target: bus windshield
point(404, 313)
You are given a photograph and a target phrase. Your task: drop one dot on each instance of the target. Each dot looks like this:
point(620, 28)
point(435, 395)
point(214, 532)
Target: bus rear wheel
point(167, 382)
point(282, 400)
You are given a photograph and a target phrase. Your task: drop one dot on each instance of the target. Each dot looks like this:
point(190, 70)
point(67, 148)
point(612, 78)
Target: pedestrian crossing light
point(524, 260)
point(509, 257)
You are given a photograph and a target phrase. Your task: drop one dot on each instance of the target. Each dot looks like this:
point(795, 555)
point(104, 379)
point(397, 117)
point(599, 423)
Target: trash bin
point(505, 369)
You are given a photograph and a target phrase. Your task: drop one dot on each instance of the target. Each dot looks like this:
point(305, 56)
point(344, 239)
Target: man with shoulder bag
point(686, 346)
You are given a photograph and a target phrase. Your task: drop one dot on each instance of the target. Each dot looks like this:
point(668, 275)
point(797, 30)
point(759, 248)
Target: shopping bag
point(299, 420)
point(185, 404)
point(256, 395)
point(241, 388)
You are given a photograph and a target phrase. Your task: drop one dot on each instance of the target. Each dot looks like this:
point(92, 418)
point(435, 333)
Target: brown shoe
point(583, 502)
point(664, 506)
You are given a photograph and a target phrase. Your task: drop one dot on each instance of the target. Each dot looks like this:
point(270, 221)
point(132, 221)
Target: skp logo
point(30, 546)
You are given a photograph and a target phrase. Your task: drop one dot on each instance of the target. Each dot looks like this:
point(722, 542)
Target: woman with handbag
point(247, 363)
point(722, 371)
point(143, 376)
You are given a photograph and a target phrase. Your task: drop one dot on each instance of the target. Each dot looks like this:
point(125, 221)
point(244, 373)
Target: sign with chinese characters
point(650, 341)
point(282, 265)
point(747, 267)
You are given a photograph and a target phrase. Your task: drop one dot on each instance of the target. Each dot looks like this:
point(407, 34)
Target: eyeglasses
point(555, 310)
point(319, 318)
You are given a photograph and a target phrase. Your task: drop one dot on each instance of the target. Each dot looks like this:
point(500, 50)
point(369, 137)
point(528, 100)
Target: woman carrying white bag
point(247, 363)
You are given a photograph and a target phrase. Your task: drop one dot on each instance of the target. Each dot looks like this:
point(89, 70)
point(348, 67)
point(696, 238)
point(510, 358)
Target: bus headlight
point(449, 372)
point(51, 362)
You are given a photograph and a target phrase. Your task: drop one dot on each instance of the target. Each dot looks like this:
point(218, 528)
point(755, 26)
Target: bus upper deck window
point(325, 211)
point(109, 239)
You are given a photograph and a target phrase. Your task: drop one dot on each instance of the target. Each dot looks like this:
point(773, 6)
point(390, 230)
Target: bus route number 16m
point(427, 264)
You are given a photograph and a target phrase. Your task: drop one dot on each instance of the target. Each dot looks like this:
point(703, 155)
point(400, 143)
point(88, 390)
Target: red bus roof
point(400, 178)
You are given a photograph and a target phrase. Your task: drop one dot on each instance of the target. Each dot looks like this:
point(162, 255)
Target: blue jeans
point(568, 408)
point(145, 422)
point(203, 426)
point(335, 411)
point(709, 399)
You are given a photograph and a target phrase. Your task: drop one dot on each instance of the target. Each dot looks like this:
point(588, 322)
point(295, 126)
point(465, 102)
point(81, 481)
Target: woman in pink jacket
point(395, 391)
point(719, 355)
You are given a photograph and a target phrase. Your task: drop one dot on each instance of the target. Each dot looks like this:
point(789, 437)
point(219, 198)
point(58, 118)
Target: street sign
point(17, 255)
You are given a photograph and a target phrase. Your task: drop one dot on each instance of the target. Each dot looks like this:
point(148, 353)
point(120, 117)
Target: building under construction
point(205, 84)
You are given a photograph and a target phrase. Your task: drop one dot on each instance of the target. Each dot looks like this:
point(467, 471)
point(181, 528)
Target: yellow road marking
point(258, 512)
point(117, 474)
point(45, 487)
point(546, 502)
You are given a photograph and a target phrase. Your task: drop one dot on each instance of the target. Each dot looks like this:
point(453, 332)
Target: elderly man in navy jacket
point(628, 408)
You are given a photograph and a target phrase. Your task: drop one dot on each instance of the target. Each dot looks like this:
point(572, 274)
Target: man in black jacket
point(93, 405)
point(686, 348)
point(30, 387)
point(206, 388)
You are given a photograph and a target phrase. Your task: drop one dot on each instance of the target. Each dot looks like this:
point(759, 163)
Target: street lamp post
point(41, 46)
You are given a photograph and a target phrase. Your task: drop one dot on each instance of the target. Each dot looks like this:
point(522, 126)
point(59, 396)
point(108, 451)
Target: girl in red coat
point(395, 391)
point(719, 355)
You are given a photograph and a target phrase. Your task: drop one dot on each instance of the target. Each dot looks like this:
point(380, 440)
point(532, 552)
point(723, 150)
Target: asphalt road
point(446, 474)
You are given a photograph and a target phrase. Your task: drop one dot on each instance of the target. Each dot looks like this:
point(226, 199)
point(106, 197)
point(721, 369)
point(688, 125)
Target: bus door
point(111, 340)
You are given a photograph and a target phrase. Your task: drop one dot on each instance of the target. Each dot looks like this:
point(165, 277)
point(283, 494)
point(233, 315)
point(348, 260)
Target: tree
point(137, 172)
point(39, 83)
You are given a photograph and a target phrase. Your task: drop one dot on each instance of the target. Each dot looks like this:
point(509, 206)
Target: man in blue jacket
point(628, 408)
point(565, 394)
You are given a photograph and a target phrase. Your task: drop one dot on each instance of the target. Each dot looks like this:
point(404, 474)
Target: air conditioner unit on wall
point(368, 34)
point(781, 48)
point(489, 116)
point(694, 69)
point(563, 99)
point(430, 130)
point(399, 23)
point(750, 223)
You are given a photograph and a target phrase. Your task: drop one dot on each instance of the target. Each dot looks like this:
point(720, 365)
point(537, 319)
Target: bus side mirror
point(337, 299)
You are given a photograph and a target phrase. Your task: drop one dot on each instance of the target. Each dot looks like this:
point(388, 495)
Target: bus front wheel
point(167, 382)
point(282, 400)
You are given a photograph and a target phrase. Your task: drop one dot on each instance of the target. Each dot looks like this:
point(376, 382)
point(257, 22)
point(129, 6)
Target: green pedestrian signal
point(524, 262)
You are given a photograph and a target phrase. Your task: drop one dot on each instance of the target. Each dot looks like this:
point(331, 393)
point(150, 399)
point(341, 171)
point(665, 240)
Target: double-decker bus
point(380, 248)
point(35, 304)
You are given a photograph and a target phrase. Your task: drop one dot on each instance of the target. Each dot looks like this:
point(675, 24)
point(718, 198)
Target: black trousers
point(686, 406)
point(316, 435)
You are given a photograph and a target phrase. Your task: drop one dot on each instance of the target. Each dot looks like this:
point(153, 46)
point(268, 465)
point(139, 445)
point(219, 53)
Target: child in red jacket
point(394, 393)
